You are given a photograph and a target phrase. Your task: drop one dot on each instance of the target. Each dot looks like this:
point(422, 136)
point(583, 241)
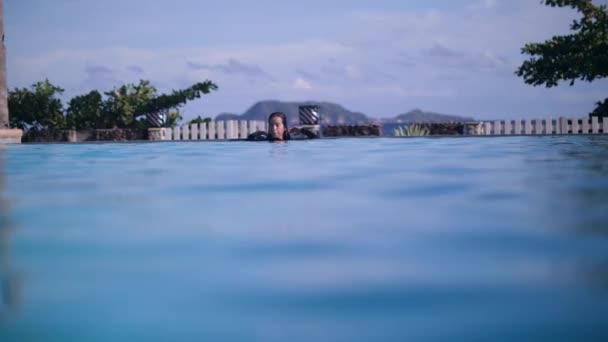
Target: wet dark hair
point(286, 135)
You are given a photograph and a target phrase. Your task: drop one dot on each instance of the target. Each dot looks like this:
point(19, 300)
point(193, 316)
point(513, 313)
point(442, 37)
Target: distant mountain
point(332, 113)
point(229, 116)
point(418, 116)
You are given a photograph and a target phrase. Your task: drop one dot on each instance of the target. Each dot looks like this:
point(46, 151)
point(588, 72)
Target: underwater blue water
point(386, 239)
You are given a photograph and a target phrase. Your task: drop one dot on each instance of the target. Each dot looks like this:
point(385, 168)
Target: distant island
point(419, 116)
point(335, 114)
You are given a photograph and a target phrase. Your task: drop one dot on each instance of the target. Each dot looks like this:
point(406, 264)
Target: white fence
point(240, 129)
point(214, 130)
point(540, 126)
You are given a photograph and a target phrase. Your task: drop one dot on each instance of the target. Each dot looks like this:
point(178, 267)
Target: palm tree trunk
point(4, 121)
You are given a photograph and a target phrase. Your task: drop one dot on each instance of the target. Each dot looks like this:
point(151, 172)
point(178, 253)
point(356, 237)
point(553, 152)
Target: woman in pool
point(278, 130)
point(277, 127)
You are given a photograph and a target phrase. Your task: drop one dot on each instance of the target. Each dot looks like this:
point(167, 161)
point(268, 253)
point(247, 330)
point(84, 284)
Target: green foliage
point(178, 97)
point(400, 131)
point(601, 110)
point(199, 120)
point(123, 107)
point(128, 103)
point(86, 112)
point(36, 108)
point(124, 104)
point(414, 130)
point(173, 118)
point(583, 54)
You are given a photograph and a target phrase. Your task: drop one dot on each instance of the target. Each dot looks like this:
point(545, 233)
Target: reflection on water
point(328, 240)
point(9, 280)
point(585, 198)
point(579, 180)
point(278, 148)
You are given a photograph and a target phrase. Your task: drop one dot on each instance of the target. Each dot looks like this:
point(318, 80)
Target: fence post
point(235, 129)
point(528, 126)
point(575, 126)
point(220, 130)
point(487, 128)
point(194, 131)
point(211, 130)
point(595, 125)
point(250, 127)
point(497, 128)
point(185, 132)
point(203, 131)
point(508, 127)
point(518, 127)
point(585, 125)
point(549, 129)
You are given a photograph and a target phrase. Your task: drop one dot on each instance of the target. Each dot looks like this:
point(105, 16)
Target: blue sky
point(382, 58)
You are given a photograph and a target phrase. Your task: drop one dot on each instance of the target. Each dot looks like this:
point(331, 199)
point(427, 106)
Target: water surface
point(382, 239)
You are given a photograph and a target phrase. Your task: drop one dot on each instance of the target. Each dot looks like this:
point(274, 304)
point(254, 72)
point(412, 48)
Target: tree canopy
point(40, 107)
point(37, 108)
point(581, 55)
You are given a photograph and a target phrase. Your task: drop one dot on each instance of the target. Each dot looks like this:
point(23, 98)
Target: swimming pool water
point(382, 239)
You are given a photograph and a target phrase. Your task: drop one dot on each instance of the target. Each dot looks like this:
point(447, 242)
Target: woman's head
point(277, 127)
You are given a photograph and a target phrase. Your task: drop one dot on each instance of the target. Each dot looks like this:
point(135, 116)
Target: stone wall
point(352, 131)
point(10, 136)
point(46, 136)
point(117, 134)
point(452, 128)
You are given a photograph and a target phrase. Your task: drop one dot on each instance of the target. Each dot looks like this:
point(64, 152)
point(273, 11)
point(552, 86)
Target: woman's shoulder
point(258, 136)
point(295, 133)
point(304, 132)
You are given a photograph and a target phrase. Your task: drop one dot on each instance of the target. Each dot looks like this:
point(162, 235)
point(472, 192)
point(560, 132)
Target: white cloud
point(301, 84)
point(483, 4)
